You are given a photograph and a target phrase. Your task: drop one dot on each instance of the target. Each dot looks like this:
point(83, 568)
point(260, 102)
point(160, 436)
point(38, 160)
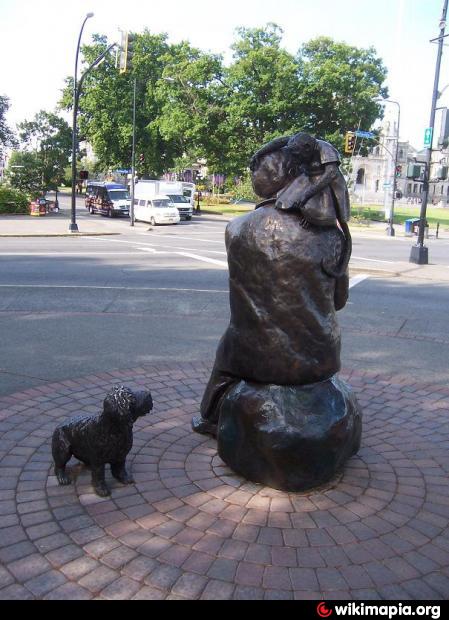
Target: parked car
point(109, 199)
point(155, 210)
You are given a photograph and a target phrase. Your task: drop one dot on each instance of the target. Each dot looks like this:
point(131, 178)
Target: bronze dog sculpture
point(101, 438)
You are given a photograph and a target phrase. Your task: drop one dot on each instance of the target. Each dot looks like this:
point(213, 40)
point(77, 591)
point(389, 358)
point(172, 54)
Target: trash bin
point(409, 227)
point(415, 227)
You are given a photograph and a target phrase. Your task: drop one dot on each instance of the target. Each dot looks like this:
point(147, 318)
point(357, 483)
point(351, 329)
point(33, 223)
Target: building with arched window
point(372, 176)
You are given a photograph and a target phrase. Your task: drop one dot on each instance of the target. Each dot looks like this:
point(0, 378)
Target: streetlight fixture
point(390, 227)
point(73, 225)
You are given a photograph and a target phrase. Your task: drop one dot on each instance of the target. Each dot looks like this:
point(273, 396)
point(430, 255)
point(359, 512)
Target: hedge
point(13, 201)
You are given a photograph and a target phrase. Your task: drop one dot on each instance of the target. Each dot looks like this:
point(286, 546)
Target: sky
point(38, 41)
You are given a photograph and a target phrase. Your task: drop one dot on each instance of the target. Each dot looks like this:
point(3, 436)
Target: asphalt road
point(74, 306)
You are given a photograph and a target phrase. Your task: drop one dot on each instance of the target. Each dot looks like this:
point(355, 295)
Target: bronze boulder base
point(290, 438)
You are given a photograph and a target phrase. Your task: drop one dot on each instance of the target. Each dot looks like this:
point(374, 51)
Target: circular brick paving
point(190, 528)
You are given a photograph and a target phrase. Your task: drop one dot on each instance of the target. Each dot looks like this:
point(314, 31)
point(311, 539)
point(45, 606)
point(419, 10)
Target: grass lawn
point(226, 209)
point(401, 213)
point(359, 214)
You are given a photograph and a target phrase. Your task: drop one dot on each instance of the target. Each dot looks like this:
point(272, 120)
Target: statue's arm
point(330, 173)
point(274, 145)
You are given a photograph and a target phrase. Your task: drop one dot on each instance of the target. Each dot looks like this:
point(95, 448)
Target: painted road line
point(204, 259)
point(172, 236)
point(135, 243)
point(357, 280)
point(148, 248)
point(115, 288)
point(62, 255)
point(375, 260)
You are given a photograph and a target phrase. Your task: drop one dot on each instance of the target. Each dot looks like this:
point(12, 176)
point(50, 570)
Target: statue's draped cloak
point(283, 327)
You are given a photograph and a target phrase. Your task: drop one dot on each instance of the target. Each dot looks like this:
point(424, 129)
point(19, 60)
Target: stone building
point(372, 177)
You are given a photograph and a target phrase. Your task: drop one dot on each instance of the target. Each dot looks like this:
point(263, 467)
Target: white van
point(155, 210)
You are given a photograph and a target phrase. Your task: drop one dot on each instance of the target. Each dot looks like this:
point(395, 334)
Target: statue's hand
point(283, 206)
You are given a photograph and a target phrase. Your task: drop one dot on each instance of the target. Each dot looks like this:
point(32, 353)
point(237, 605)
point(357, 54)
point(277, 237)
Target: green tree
point(263, 89)
point(338, 87)
point(7, 137)
point(193, 98)
point(106, 103)
point(190, 106)
point(50, 138)
point(24, 173)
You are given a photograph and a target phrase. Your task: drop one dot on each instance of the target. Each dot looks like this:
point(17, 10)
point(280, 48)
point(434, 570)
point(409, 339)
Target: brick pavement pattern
point(191, 529)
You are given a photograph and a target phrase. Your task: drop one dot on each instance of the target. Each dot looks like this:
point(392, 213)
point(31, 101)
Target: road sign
point(364, 134)
point(123, 171)
point(428, 135)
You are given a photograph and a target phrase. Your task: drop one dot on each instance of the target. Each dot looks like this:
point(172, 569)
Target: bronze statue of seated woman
point(280, 413)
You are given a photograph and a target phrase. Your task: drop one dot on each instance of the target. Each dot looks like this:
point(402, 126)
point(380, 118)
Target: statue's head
point(271, 174)
point(302, 146)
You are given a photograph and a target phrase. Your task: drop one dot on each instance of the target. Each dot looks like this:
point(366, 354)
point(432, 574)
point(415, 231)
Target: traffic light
point(141, 159)
point(350, 139)
point(415, 171)
point(127, 51)
point(398, 171)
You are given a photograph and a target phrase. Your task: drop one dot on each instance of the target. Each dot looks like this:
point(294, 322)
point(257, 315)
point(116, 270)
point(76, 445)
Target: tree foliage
point(190, 105)
point(193, 104)
point(106, 106)
point(7, 137)
point(263, 91)
point(339, 85)
point(49, 138)
point(24, 173)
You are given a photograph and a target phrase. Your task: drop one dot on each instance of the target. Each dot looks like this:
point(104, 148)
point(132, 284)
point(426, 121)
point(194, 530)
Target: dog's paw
point(102, 490)
point(62, 478)
point(125, 478)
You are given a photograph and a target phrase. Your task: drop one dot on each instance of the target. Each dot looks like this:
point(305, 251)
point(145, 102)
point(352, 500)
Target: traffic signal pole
point(419, 253)
point(133, 157)
point(390, 227)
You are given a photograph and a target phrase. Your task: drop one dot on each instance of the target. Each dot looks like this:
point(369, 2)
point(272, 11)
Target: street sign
point(428, 135)
point(123, 171)
point(364, 134)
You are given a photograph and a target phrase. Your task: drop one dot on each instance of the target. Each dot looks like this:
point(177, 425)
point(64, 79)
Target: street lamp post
point(390, 227)
point(133, 158)
point(420, 254)
point(73, 225)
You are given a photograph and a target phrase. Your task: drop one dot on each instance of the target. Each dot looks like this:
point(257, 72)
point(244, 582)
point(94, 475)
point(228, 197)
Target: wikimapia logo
point(390, 611)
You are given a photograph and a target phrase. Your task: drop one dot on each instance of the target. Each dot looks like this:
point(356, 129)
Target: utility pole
point(419, 253)
point(73, 227)
point(133, 157)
